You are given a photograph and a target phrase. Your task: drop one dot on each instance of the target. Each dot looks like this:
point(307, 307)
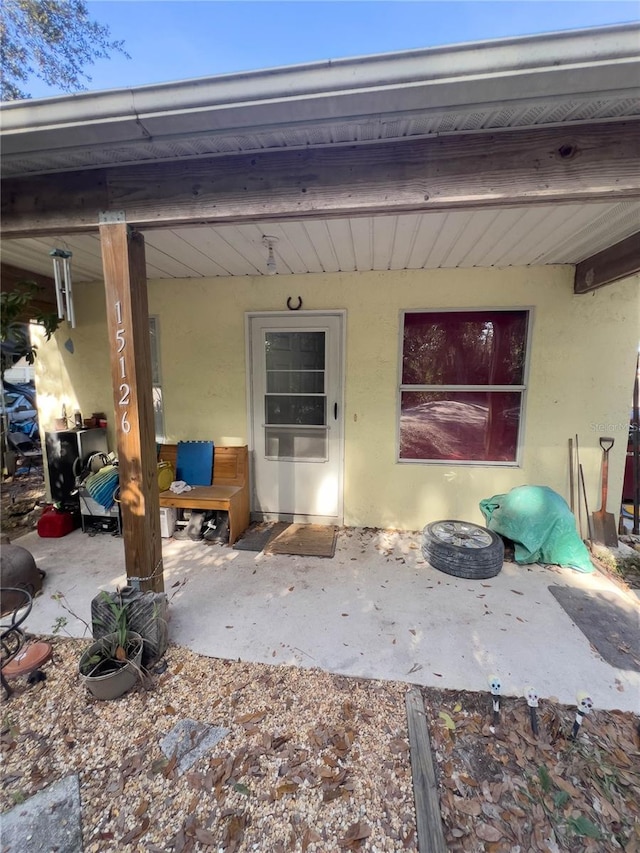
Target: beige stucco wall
point(581, 375)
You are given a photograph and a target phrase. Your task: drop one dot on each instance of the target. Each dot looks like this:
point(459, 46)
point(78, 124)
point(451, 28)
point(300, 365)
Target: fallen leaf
point(447, 720)
point(170, 766)
point(144, 805)
point(285, 788)
point(488, 832)
point(517, 592)
point(204, 836)
point(470, 807)
point(356, 832)
point(136, 833)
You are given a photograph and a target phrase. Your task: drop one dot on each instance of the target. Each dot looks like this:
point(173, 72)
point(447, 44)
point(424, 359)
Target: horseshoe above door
point(291, 307)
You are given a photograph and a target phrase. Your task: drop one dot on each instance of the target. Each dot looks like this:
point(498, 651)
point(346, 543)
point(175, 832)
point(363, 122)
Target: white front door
point(296, 416)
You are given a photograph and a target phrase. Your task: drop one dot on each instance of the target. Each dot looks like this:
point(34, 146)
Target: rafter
point(612, 264)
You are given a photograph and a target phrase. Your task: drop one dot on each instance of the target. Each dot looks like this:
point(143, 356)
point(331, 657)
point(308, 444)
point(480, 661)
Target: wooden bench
point(230, 489)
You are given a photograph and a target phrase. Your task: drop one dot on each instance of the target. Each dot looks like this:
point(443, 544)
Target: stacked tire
point(462, 549)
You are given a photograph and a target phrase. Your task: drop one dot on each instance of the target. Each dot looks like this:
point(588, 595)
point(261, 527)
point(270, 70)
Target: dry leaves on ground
point(21, 498)
point(505, 790)
point(313, 762)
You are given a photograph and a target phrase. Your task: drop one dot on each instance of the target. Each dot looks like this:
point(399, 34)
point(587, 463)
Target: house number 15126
point(125, 389)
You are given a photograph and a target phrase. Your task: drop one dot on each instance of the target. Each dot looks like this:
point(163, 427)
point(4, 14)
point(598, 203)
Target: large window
point(462, 385)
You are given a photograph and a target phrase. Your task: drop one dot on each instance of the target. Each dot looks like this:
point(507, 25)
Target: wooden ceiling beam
point(612, 264)
point(581, 163)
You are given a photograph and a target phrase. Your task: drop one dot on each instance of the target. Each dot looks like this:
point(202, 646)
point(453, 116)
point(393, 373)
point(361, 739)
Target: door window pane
point(294, 350)
point(295, 382)
point(284, 409)
point(309, 445)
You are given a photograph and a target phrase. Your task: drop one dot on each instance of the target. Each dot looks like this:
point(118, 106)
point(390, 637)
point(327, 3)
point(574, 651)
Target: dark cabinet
point(67, 453)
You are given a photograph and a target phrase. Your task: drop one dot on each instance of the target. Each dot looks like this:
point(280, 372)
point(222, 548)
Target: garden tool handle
point(606, 444)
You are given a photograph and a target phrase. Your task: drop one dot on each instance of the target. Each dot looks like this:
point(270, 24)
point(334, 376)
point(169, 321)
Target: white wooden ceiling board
point(447, 237)
point(471, 234)
point(477, 254)
point(524, 225)
point(517, 231)
point(461, 220)
point(608, 225)
point(613, 225)
point(160, 263)
point(298, 237)
point(384, 232)
point(362, 236)
point(19, 253)
point(212, 245)
point(33, 254)
point(342, 241)
point(426, 226)
point(193, 247)
point(557, 229)
point(321, 238)
point(406, 231)
point(428, 231)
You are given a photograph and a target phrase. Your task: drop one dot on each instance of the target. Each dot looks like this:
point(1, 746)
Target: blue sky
point(178, 39)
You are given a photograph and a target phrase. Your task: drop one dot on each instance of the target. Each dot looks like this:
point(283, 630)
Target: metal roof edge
point(497, 59)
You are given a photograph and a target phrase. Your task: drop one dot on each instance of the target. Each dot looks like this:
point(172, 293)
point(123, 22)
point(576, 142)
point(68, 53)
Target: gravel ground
point(317, 763)
point(312, 762)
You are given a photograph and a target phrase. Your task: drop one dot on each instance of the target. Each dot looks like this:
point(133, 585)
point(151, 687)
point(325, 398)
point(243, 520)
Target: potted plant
point(111, 665)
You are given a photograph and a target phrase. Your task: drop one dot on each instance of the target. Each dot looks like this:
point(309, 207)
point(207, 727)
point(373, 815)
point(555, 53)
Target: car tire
point(462, 549)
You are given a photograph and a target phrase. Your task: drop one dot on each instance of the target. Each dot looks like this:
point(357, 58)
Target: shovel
point(604, 524)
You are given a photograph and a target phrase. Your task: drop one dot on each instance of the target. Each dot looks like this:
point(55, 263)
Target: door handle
point(335, 411)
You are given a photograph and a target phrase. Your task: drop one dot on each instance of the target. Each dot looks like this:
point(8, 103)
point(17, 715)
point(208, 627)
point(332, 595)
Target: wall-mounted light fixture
point(269, 242)
point(64, 293)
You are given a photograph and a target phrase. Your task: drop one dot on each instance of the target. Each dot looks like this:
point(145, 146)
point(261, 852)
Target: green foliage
point(119, 611)
point(53, 40)
point(560, 798)
point(545, 779)
point(59, 624)
point(16, 307)
point(581, 825)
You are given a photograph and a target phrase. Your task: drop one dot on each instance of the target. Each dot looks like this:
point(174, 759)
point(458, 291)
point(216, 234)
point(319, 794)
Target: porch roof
point(486, 86)
point(500, 153)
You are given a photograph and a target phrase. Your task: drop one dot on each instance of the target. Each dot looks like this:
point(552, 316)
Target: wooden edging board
point(425, 792)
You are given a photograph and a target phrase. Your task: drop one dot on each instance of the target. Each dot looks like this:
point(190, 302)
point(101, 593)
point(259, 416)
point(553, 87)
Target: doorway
point(296, 414)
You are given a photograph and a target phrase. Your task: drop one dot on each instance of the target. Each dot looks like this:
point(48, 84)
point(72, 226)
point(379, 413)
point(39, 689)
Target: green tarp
point(540, 524)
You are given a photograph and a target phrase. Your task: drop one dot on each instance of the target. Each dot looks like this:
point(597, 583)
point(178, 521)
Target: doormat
point(259, 534)
point(305, 540)
point(608, 621)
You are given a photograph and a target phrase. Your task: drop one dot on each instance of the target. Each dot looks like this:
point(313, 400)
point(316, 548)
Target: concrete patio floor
point(375, 610)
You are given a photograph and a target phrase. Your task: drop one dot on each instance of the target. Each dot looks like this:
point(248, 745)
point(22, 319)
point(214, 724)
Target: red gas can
point(55, 523)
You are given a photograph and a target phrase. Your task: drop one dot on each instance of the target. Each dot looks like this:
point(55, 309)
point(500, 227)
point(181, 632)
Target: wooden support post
point(425, 790)
point(123, 262)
